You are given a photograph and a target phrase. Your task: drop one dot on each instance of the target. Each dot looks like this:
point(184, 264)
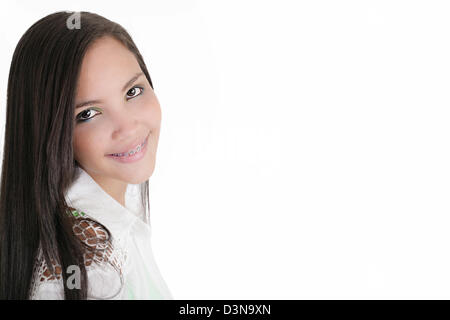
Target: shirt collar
point(87, 196)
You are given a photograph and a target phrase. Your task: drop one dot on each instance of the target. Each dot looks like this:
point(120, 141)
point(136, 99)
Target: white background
point(304, 149)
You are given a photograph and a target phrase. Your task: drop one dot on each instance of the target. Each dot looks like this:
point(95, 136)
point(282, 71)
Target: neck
point(115, 188)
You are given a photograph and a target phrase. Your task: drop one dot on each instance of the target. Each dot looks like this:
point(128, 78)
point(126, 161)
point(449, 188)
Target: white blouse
point(134, 273)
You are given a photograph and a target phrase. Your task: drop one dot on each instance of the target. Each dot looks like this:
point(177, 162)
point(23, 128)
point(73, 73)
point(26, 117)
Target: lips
point(130, 148)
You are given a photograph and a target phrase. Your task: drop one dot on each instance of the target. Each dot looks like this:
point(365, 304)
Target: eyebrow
point(126, 85)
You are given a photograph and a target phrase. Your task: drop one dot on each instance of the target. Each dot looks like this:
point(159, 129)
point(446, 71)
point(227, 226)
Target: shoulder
point(100, 257)
point(88, 230)
point(95, 237)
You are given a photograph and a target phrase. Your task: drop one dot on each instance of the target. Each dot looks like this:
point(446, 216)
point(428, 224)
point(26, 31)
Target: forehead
point(106, 66)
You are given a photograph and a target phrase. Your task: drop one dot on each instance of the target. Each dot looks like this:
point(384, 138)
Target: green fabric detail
point(130, 293)
point(77, 213)
point(154, 293)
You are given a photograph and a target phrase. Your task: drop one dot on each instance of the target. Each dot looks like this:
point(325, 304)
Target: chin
point(141, 178)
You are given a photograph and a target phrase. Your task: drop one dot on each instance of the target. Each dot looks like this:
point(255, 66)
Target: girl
point(82, 130)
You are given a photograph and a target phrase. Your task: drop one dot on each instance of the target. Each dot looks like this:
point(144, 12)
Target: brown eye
point(86, 115)
point(134, 92)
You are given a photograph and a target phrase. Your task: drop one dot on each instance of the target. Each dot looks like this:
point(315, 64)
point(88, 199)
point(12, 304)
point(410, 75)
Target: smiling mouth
point(132, 151)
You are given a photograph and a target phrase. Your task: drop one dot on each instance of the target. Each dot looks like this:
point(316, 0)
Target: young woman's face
point(123, 116)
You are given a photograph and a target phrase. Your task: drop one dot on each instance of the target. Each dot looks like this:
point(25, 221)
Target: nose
point(125, 126)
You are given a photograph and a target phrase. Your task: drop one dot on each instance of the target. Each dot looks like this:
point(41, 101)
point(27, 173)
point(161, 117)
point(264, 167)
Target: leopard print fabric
point(100, 249)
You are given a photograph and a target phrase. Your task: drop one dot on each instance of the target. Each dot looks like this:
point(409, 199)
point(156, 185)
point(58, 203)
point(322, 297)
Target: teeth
point(132, 152)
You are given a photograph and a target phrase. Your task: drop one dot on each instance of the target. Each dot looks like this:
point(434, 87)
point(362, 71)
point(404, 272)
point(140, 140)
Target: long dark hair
point(38, 162)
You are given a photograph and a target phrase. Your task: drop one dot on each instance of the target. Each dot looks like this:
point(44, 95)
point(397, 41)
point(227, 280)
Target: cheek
point(84, 145)
point(152, 112)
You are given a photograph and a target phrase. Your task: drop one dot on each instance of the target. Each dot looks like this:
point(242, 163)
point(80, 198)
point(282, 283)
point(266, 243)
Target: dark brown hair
point(38, 161)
